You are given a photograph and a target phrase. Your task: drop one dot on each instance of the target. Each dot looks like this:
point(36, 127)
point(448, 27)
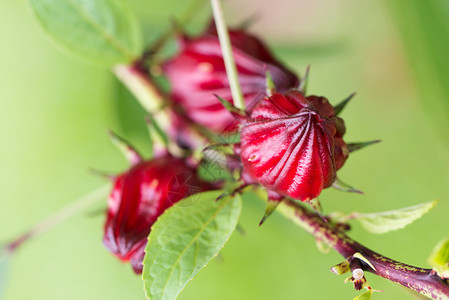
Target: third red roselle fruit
point(198, 73)
point(293, 144)
point(139, 197)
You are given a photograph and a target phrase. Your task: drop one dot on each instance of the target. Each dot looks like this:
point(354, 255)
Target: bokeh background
point(55, 111)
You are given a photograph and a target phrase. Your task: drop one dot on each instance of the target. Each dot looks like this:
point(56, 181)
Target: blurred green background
point(55, 111)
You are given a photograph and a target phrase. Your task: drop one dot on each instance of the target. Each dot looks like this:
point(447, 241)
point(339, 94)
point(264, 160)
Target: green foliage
point(364, 296)
point(102, 31)
point(185, 239)
point(212, 171)
point(439, 259)
point(384, 222)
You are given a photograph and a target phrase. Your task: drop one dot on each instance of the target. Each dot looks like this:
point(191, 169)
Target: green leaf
point(439, 259)
point(383, 222)
point(211, 171)
point(184, 240)
point(229, 138)
point(215, 162)
point(365, 296)
point(4, 264)
point(102, 31)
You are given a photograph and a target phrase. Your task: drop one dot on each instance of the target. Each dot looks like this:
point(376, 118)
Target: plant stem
point(137, 82)
point(59, 216)
point(228, 56)
point(414, 278)
point(421, 280)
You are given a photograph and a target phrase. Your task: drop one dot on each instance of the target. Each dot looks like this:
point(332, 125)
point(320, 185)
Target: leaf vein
point(225, 201)
point(107, 37)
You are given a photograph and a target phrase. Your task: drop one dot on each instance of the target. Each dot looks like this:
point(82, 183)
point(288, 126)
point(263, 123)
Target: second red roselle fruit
point(198, 73)
point(139, 197)
point(293, 144)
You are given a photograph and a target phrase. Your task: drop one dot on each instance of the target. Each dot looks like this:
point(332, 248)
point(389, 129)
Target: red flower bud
point(293, 144)
point(198, 73)
point(138, 198)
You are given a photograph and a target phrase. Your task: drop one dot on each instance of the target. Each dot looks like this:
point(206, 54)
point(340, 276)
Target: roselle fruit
point(293, 144)
point(139, 196)
point(197, 73)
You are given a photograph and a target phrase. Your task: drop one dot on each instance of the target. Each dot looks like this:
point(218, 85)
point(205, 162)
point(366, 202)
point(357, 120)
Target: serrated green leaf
point(4, 264)
point(184, 240)
point(364, 296)
point(102, 31)
point(212, 172)
point(383, 222)
point(439, 260)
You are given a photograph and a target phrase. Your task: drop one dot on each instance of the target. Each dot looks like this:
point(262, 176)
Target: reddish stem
point(421, 280)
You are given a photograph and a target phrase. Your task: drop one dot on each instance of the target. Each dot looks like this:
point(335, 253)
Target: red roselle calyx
point(293, 144)
point(139, 196)
point(198, 73)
